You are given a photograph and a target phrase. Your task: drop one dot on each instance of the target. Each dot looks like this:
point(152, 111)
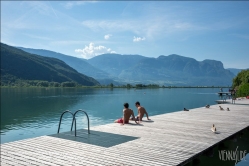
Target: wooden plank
point(170, 139)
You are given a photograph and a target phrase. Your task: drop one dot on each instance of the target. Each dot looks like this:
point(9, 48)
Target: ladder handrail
point(61, 118)
point(74, 120)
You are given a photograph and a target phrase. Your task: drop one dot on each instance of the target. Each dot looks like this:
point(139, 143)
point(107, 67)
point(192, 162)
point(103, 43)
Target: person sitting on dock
point(127, 113)
point(141, 111)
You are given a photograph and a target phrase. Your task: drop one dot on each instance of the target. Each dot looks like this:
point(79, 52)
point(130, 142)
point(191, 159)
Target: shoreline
point(115, 87)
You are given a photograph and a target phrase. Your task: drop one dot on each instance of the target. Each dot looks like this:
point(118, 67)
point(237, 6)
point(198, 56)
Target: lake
point(32, 112)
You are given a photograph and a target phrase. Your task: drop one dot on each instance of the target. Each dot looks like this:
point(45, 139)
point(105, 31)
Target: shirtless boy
point(141, 111)
point(127, 113)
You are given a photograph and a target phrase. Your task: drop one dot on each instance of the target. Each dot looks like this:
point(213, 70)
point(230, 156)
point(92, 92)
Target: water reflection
point(31, 112)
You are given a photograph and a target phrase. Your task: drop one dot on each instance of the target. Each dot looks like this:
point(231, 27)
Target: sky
point(200, 30)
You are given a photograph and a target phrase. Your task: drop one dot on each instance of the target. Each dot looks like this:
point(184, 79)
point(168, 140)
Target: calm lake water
point(32, 112)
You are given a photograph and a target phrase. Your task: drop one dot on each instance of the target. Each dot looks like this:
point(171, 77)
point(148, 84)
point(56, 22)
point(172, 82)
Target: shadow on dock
point(97, 138)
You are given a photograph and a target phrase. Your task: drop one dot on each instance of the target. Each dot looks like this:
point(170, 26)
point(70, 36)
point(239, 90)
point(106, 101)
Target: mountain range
point(79, 64)
point(179, 70)
point(17, 64)
point(164, 70)
point(114, 64)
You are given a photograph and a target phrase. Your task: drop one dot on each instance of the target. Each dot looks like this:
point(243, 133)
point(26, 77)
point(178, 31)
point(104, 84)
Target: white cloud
point(92, 51)
point(157, 22)
point(70, 5)
point(150, 28)
point(44, 8)
point(138, 39)
point(107, 36)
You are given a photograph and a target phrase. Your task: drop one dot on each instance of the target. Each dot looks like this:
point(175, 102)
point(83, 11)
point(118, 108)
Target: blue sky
point(201, 30)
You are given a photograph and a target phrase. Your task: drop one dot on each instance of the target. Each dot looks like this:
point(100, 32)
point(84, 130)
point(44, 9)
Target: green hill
point(19, 65)
point(241, 83)
point(79, 64)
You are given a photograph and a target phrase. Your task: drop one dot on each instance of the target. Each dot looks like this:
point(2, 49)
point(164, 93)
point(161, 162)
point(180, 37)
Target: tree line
point(37, 83)
point(241, 83)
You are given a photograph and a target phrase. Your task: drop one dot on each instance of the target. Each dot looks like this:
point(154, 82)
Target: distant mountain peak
point(175, 55)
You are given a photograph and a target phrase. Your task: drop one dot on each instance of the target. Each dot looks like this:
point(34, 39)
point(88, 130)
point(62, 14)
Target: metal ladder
point(74, 121)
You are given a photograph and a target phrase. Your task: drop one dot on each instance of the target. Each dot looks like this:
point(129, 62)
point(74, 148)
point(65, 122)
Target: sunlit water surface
point(32, 112)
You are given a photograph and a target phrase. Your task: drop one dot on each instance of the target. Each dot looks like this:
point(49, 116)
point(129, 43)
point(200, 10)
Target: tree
point(243, 90)
point(241, 78)
point(68, 84)
point(241, 83)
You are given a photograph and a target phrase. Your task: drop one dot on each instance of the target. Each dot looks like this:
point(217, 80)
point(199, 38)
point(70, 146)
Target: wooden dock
point(168, 139)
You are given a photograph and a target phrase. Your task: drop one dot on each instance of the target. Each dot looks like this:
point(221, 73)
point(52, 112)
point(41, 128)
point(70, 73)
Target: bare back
point(141, 111)
point(127, 114)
